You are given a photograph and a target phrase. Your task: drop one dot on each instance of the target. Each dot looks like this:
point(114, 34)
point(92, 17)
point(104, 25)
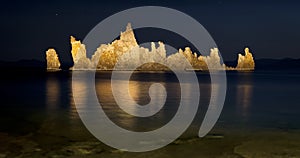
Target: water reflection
point(138, 88)
point(52, 93)
point(106, 99)
point(139, 91)
point(61, 112)
point(244, 91)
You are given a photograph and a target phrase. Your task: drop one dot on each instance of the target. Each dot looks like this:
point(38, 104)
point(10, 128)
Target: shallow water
point(260, 117)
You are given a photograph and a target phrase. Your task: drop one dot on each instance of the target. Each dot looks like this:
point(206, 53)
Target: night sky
point(270, 28)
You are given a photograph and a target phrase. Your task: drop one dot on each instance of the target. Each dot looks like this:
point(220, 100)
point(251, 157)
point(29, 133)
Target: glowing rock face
point(79, 55)
point(52, 60)
point(75, 48)
point(139, 55)
point(111, 52)
point(106, 56)
point(245, 62)
point(214, 60)
point(127, 53)
point(193, 59)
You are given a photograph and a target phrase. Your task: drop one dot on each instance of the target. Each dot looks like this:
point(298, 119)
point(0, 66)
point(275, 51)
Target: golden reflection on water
point(139, 92)
point(52, 93)
point(244, 97)
point(138, 88)
point(105, 97)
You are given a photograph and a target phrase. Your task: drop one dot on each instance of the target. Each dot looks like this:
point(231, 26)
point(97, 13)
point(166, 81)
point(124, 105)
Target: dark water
point(260, 117)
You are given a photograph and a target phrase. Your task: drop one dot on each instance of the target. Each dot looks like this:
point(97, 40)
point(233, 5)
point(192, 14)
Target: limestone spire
point(245, 62)
point(52, 59)
point(75, 48)
point(128, 27)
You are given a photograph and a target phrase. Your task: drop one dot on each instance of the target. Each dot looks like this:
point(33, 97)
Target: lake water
point(260, 117)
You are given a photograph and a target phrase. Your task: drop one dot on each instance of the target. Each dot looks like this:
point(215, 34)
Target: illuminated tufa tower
point(245, 62)
point(127, 53)
point(52, 60)
point(111, 52)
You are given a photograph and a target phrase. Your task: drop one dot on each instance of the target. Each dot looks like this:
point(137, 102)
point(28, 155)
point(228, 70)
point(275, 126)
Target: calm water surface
point(260, 117)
